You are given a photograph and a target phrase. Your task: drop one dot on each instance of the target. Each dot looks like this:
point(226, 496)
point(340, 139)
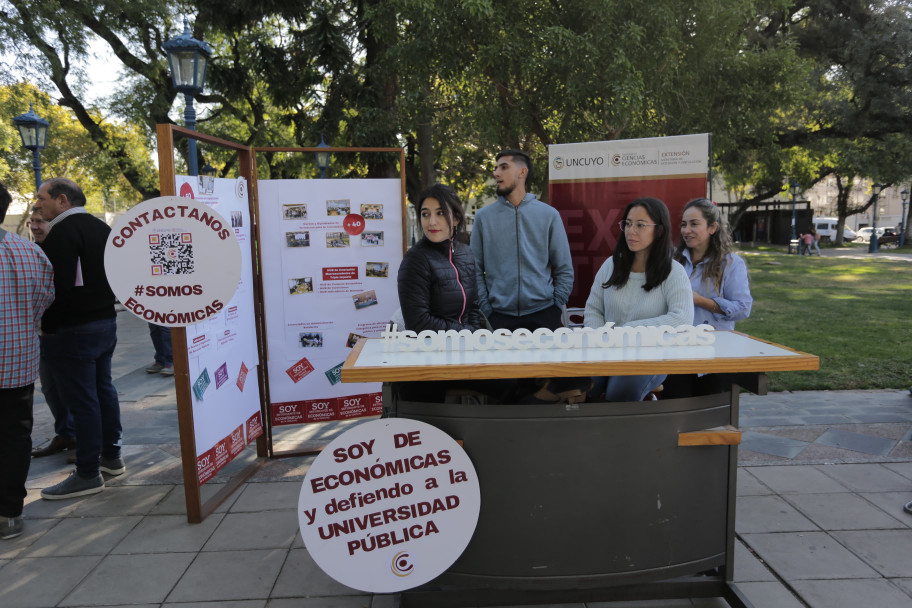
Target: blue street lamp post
point(188, 58)
point(322, 158)
point(33, 131)
point(902, 233)
point(874, 245)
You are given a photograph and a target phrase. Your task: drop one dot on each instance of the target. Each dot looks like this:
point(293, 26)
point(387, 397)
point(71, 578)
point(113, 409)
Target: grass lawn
point(856, 315)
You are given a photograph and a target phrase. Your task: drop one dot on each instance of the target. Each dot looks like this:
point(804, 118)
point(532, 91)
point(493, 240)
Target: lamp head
point(188, 58)
point(32, 129)
point(322, 157)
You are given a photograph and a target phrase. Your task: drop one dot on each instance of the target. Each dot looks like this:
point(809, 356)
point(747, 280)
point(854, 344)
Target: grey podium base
point(459, 597)
point(590, 502)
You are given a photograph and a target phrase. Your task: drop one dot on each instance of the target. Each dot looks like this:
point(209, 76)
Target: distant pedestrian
point(26, 291)
point(81, 331)
point(807, 239)
point(816, 240)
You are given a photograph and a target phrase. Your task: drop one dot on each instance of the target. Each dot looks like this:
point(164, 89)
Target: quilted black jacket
point(431, 291)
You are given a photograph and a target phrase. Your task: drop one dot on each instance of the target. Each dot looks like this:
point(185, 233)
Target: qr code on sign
point(171, 253)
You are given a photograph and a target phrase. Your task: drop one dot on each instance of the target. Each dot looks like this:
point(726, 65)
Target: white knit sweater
point(670, 303)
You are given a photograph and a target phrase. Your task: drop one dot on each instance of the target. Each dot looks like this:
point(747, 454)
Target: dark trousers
point(80, 362)
point(161, 340)
point(549, 318)
point(15, 447)
point(691, 385)
point(63, 419)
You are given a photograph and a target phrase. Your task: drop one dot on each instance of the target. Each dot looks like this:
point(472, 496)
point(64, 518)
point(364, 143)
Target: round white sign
point(389, 505)
point(173, 261)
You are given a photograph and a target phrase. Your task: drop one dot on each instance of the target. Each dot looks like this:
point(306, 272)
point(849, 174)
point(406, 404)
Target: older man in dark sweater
point(81, 332)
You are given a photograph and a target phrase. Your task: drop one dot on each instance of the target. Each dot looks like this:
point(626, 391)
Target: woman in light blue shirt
point(721, 290)
point(718, 276)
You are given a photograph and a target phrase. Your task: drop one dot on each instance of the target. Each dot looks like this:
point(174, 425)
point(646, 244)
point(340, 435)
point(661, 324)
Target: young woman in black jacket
point(437, 276)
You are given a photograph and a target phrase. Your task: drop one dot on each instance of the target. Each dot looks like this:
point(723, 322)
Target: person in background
point(64, 429)
point(26, 291)
point(163, 361)
point(807, 238)
point(718, 277)
point(38, 227)
point(639, 285)
point(816, 240)
point(522, 255)
point(436, 279)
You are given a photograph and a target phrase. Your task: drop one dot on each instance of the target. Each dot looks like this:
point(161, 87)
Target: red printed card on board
point(299, 370)
point(242, 377)
point(254, 427)
point(354, 406)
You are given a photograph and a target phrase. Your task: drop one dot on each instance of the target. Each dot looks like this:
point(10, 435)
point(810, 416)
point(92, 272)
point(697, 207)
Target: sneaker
point(112, 466)
point(167, 370)
point(58, 444)
point(10, 527)
point(74, 486)
point(154, 368)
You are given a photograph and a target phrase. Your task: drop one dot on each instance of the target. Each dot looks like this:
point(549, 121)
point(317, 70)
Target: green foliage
point(788, 90)
point(70, 153)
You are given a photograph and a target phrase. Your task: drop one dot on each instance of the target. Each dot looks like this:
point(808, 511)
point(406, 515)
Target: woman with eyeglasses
point(639, 285)
point(437, 276)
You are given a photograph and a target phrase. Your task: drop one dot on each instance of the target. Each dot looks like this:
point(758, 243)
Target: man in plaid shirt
point(26, 291)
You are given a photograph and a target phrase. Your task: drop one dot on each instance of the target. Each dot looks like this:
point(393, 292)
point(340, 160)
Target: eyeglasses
point(637, 227)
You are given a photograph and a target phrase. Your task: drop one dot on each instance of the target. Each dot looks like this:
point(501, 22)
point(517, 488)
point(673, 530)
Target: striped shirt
point(26, 290)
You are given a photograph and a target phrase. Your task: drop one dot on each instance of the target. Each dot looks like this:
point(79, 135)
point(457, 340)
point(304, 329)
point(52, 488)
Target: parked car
point(864, 234)
point(826, 228)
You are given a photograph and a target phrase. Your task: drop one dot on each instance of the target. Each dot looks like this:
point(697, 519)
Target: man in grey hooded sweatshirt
point(522, 256)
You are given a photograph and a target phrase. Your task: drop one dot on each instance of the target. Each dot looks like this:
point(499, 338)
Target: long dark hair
point(720, 243)
point(452, 209)
point(658, 263)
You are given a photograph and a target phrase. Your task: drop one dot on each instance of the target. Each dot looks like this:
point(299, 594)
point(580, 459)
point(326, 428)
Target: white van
point(826, 228)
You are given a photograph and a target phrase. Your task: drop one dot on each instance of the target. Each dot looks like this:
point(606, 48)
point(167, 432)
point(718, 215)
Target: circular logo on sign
point(558, 163)
point(173, 261)
point(616, 160)
point(353, 224)
point(389, 505)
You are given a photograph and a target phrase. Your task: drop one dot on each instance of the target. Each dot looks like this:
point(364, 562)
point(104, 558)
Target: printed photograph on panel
point(353, 339)
point(338, 207)
point(294, 212)
point(237, 219)
point(311, 339)
point(337, 239)
point(364, 299)
point(299, 286)
point(376, 269)
point(297, 239)
point(372, 239)
point(372, 211)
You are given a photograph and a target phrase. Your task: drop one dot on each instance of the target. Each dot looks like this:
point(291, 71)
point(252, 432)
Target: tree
point(454, 82)
point(71, 152)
